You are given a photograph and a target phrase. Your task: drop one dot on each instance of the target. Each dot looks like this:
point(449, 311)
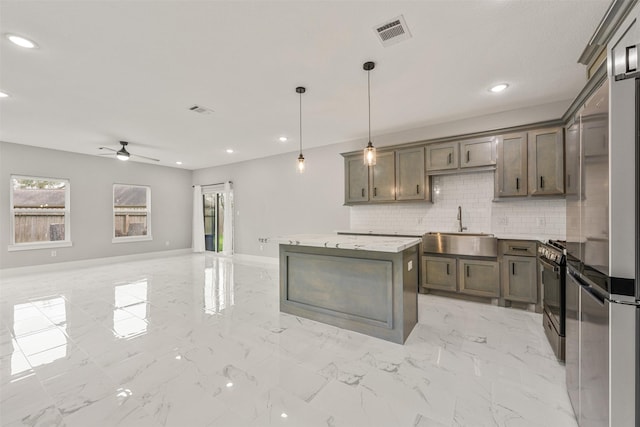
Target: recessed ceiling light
point(21, 41)
point(178, 163)
point(283, 139)
point(499, 88)
point(4, 95)
point(229, 150)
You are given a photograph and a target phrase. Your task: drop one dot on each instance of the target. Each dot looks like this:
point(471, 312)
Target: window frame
point(26, 246)
point(127, 239)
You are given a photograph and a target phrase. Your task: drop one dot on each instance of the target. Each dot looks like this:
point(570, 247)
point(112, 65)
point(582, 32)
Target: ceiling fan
point(123, 154)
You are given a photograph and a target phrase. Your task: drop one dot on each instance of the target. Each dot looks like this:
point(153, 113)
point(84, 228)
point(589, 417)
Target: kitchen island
point(368, 284)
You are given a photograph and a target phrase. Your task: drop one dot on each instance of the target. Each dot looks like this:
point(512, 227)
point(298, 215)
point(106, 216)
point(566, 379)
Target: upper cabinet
point(356, 179)
point(478, 152)
point(410, 176)
point(383, 177)
point(442, 156)
point(546, 162)
point(398, 175)
point(530, 163)
point(511, 170)
point(572, 160)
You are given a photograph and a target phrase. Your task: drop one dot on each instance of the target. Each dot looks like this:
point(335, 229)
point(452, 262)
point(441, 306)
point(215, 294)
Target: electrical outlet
point(541, 222)
point(54, 253)
point(503, 220)
point(167, 243)
point(261, 248)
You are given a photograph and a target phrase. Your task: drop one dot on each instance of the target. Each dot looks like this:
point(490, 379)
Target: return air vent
point(200, 109)
point(393, 31)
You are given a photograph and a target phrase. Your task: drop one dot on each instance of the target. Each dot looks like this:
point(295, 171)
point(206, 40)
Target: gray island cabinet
point(368, 284)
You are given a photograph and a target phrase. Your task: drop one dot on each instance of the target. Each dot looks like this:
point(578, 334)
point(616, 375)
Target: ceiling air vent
point(393, 31)
point(200, 109)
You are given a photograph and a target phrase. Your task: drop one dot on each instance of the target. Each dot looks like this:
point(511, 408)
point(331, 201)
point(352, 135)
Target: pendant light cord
point(369, 99)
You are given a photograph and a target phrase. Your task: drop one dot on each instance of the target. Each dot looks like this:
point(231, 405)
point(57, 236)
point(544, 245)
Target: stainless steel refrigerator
point(603, 295)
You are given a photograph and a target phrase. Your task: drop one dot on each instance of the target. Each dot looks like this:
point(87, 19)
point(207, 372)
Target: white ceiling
point(128, 70)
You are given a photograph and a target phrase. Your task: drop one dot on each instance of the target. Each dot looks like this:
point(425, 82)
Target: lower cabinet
point(479, 277)
point(462, 275)
point(439, 273)
point(519, 275)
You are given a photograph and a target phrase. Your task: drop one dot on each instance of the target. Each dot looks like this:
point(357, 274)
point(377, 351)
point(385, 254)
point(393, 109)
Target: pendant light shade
point(369, 150)
point(300, 90)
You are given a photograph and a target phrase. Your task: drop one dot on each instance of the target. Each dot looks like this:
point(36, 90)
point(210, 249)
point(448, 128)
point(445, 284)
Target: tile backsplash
point(531, 218)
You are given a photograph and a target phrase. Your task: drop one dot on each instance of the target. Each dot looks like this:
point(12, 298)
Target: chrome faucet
point(460, 227)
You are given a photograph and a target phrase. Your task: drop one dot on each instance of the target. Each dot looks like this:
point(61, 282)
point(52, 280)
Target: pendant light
point(300, 90)
point(369, 150)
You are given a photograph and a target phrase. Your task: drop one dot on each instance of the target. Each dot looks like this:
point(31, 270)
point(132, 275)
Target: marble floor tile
point(197, 340)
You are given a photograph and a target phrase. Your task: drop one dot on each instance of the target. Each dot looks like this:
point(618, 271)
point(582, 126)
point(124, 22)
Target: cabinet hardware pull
point(363, 192)
point(418, 189)
point(517, 183)
point(541, 181)
point(467, 271)
point(515, 248)
point(447, 269)
point(449, 158)
point(468, 156)
point(513, 268)
point(375, 191)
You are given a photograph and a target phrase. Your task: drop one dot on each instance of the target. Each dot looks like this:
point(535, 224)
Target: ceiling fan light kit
point(124, 155)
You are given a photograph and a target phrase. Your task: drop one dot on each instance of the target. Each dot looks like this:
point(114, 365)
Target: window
point(131, 213)
point(39, 213)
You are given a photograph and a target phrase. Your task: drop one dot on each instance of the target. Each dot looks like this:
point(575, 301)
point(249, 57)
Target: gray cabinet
point(478, 152)
point(356, 179)
point(519, 270)
point(410, 174)
point(572, 160)
point(478, 277)
point(439, 273)
point(383, 177)
point(442, 156)
point(511, 169)
point(546, 162)
point(519, 278)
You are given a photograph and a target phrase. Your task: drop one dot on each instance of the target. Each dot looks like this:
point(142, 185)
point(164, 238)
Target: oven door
point(551, 285)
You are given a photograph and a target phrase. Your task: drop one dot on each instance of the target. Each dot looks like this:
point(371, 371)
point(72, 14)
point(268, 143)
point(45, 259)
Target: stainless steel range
point(553, 265)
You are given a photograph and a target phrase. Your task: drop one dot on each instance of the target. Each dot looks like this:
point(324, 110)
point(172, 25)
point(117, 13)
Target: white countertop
point(414, 233)
point(339, 241)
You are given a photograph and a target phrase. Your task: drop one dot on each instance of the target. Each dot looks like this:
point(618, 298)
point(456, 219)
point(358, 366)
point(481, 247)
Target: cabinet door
point(442, 156)
point(478, 152)
point(511, 169)
point(439, 273)
point(410, 176)
point(572, 159)
point(546, 162)
point(477, 277)
point(356, 180)
point(383, 177)
point(519, 278)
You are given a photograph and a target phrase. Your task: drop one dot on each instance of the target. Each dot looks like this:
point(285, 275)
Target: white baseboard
point(94, 262)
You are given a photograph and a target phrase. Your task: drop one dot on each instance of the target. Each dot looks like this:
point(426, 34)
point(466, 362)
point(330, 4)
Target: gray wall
point(91, 179)
point(271, 199)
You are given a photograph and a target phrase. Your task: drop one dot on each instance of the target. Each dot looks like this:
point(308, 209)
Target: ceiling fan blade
point(106, 154)
point(107, 148)
point(144, 157)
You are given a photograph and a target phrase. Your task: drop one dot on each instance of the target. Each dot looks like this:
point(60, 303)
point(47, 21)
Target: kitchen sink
point(466, 244)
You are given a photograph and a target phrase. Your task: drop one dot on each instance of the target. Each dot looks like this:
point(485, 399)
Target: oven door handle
point(554, 267)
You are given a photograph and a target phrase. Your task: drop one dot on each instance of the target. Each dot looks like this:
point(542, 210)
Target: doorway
point(213, 207)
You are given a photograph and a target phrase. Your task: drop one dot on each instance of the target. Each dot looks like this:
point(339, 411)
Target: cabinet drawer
point(518, 247)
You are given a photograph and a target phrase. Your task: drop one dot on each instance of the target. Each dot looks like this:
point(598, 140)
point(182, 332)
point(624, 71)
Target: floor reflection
point(218, 285)
point(130, 312)
point(39, 328)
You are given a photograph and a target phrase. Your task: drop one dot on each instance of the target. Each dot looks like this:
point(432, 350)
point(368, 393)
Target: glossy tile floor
point(198, 341)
